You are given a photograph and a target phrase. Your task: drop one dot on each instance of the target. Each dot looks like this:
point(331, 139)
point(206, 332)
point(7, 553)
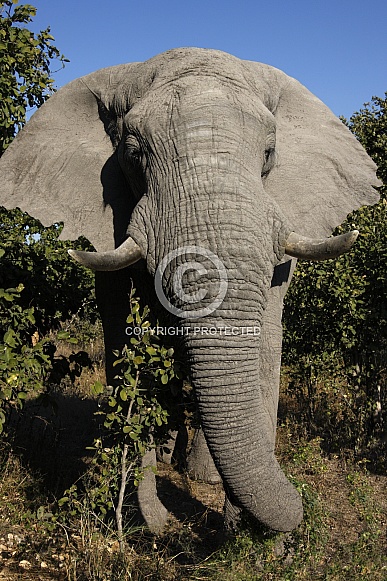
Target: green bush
point(335, 317)
point(23, 366)
point(56, 286)
point(28, 366)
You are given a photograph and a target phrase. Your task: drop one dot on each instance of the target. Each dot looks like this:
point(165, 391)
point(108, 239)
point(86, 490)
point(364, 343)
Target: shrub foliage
point(335, 317)
point(40, 287)
point(25, 59)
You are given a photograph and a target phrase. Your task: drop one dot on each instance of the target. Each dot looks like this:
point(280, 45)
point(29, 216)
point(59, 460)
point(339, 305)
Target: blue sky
point(338, 49)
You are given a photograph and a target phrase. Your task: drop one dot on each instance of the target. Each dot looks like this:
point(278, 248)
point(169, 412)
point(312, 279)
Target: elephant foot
point(152, 510)
point(283, 545)
point(232, 517)
point(200, 465)
point(164, 452)
point(173, 451)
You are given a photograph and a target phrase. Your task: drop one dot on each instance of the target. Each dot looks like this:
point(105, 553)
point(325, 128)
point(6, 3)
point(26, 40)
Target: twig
point(124, 475)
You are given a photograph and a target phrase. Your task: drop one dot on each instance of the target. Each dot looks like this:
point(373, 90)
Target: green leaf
point(9, 338)
point(62, 335)
point(97, 388)
point(63, 500)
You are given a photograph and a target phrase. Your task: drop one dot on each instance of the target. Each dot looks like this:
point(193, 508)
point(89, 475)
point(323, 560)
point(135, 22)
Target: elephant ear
point(322, 171)
point(62, 167)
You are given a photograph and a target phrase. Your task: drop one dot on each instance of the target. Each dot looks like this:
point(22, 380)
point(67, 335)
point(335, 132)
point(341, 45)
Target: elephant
point(201, 176)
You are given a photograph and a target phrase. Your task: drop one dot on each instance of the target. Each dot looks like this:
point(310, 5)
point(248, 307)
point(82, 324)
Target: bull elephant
point(199, 168)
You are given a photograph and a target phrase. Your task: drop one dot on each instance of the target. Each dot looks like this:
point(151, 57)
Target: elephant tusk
point(128, 253)
point(319, 249)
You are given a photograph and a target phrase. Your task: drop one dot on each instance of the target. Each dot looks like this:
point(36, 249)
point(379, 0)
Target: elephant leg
point(165, 451)
point(269, 363)
point(271, 340)
point(174, 450)
point(152, 510)
point(200, 464)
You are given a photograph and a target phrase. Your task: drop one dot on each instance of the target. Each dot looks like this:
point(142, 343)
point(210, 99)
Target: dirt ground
point(196, 511)
point(353, 502)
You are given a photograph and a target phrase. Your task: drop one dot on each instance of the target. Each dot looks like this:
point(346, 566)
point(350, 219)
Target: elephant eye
point(268, 161)
point(133, 152)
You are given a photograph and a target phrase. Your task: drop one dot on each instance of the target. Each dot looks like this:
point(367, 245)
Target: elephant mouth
point(296, 245)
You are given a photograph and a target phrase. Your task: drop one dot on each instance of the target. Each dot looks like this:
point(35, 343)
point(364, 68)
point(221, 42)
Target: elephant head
point(198, 156)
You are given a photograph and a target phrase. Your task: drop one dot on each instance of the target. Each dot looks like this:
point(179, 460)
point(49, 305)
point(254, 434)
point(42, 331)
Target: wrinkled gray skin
point(196, 147)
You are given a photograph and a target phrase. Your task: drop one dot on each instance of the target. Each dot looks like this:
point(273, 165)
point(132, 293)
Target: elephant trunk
point(238, 426)
point(213, 267)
